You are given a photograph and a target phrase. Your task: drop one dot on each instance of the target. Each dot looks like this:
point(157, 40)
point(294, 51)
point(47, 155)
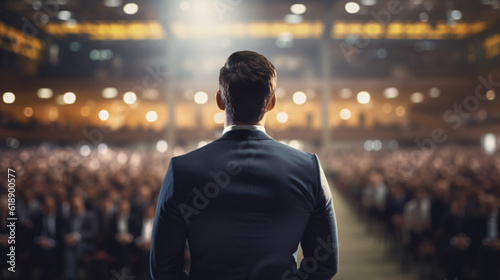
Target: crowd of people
point(90, 216)
point(438, 209)
point(81, 217)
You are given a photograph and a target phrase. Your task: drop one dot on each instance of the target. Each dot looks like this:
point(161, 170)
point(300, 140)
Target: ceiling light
point(130, 8)
point(298, 9)
point(352, 7)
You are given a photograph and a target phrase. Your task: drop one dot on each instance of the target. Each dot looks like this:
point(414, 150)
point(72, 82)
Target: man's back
point(244, 202)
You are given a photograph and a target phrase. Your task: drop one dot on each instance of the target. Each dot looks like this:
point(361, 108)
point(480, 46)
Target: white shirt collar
point(244, 127)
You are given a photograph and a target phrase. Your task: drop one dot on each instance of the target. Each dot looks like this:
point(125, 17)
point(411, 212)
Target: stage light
point(282, 117)
point(416, 97)
point(94, 54)
point(400, 111)
point(130, 8)
point(44, 93)
point(387, 108)
point(489, 143)
point(85, 150)
point(298, 9)
point(161, 146)
point(85, 111)
point(456, 14)
point(490, 95)
point(219, 118)
point(151, 116)
point(129, 98)
point(423, 17)
point(9, 97)
point(109, 92)
point(345, 114)
point(363, 97)
point(377, 145)
point(28, 112)
point(200, 97)
point(391, 93)
point(434, 92)
point(102, 148)
point(64, 15)
point(103, 115)
point(299, 98)
point(352, 7)
point(345, 93)
point(69, 98)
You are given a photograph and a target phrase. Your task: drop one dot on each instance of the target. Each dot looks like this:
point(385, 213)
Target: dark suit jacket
point(244, 202)
point(58, 232)
point(86, 226)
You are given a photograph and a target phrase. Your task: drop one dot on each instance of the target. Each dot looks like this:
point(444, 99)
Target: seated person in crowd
point(48, 232)
point(81, 230)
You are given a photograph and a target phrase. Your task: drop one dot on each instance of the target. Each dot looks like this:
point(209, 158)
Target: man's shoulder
point(215, 147)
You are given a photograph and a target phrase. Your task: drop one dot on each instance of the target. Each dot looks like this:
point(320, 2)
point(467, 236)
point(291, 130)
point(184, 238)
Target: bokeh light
point(9, 97)
point(363, 97)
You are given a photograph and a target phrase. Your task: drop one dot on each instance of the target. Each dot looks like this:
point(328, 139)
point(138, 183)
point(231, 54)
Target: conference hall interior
point(396, 97)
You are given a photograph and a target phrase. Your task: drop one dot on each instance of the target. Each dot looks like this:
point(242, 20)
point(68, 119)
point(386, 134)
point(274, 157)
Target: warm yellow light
point(417, 97)
point(363, 97)
point(103, 115)
point(130, 8)
point(109, 92)
point(28, 112)
point(400, 111)
point(85, 111)
point(151, 116)
point(299, 97)
point(200, 97)
point(490, 95)
point(9, 97)
point(345, 114)
point(391, 93)
point(352, 7)
point(44, 93)
point(69, 98)
point(129, 98)
point(298, 9)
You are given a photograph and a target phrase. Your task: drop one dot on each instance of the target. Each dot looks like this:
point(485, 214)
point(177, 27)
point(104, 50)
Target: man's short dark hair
point(247, 83)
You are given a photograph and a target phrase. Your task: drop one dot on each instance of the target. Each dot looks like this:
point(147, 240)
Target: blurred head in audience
point(124, 207)
point(49, 205)
point(77, 205)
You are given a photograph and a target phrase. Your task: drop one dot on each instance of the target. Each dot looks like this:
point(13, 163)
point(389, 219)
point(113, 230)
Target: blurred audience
point(90, 216)
point(439, 208)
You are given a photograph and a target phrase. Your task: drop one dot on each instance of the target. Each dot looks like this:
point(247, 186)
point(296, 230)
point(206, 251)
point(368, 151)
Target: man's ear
point(272, 103)
point(220, 104)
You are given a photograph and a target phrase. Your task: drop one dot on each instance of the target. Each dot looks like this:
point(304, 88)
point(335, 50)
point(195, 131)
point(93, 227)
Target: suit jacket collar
point(243, 135)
